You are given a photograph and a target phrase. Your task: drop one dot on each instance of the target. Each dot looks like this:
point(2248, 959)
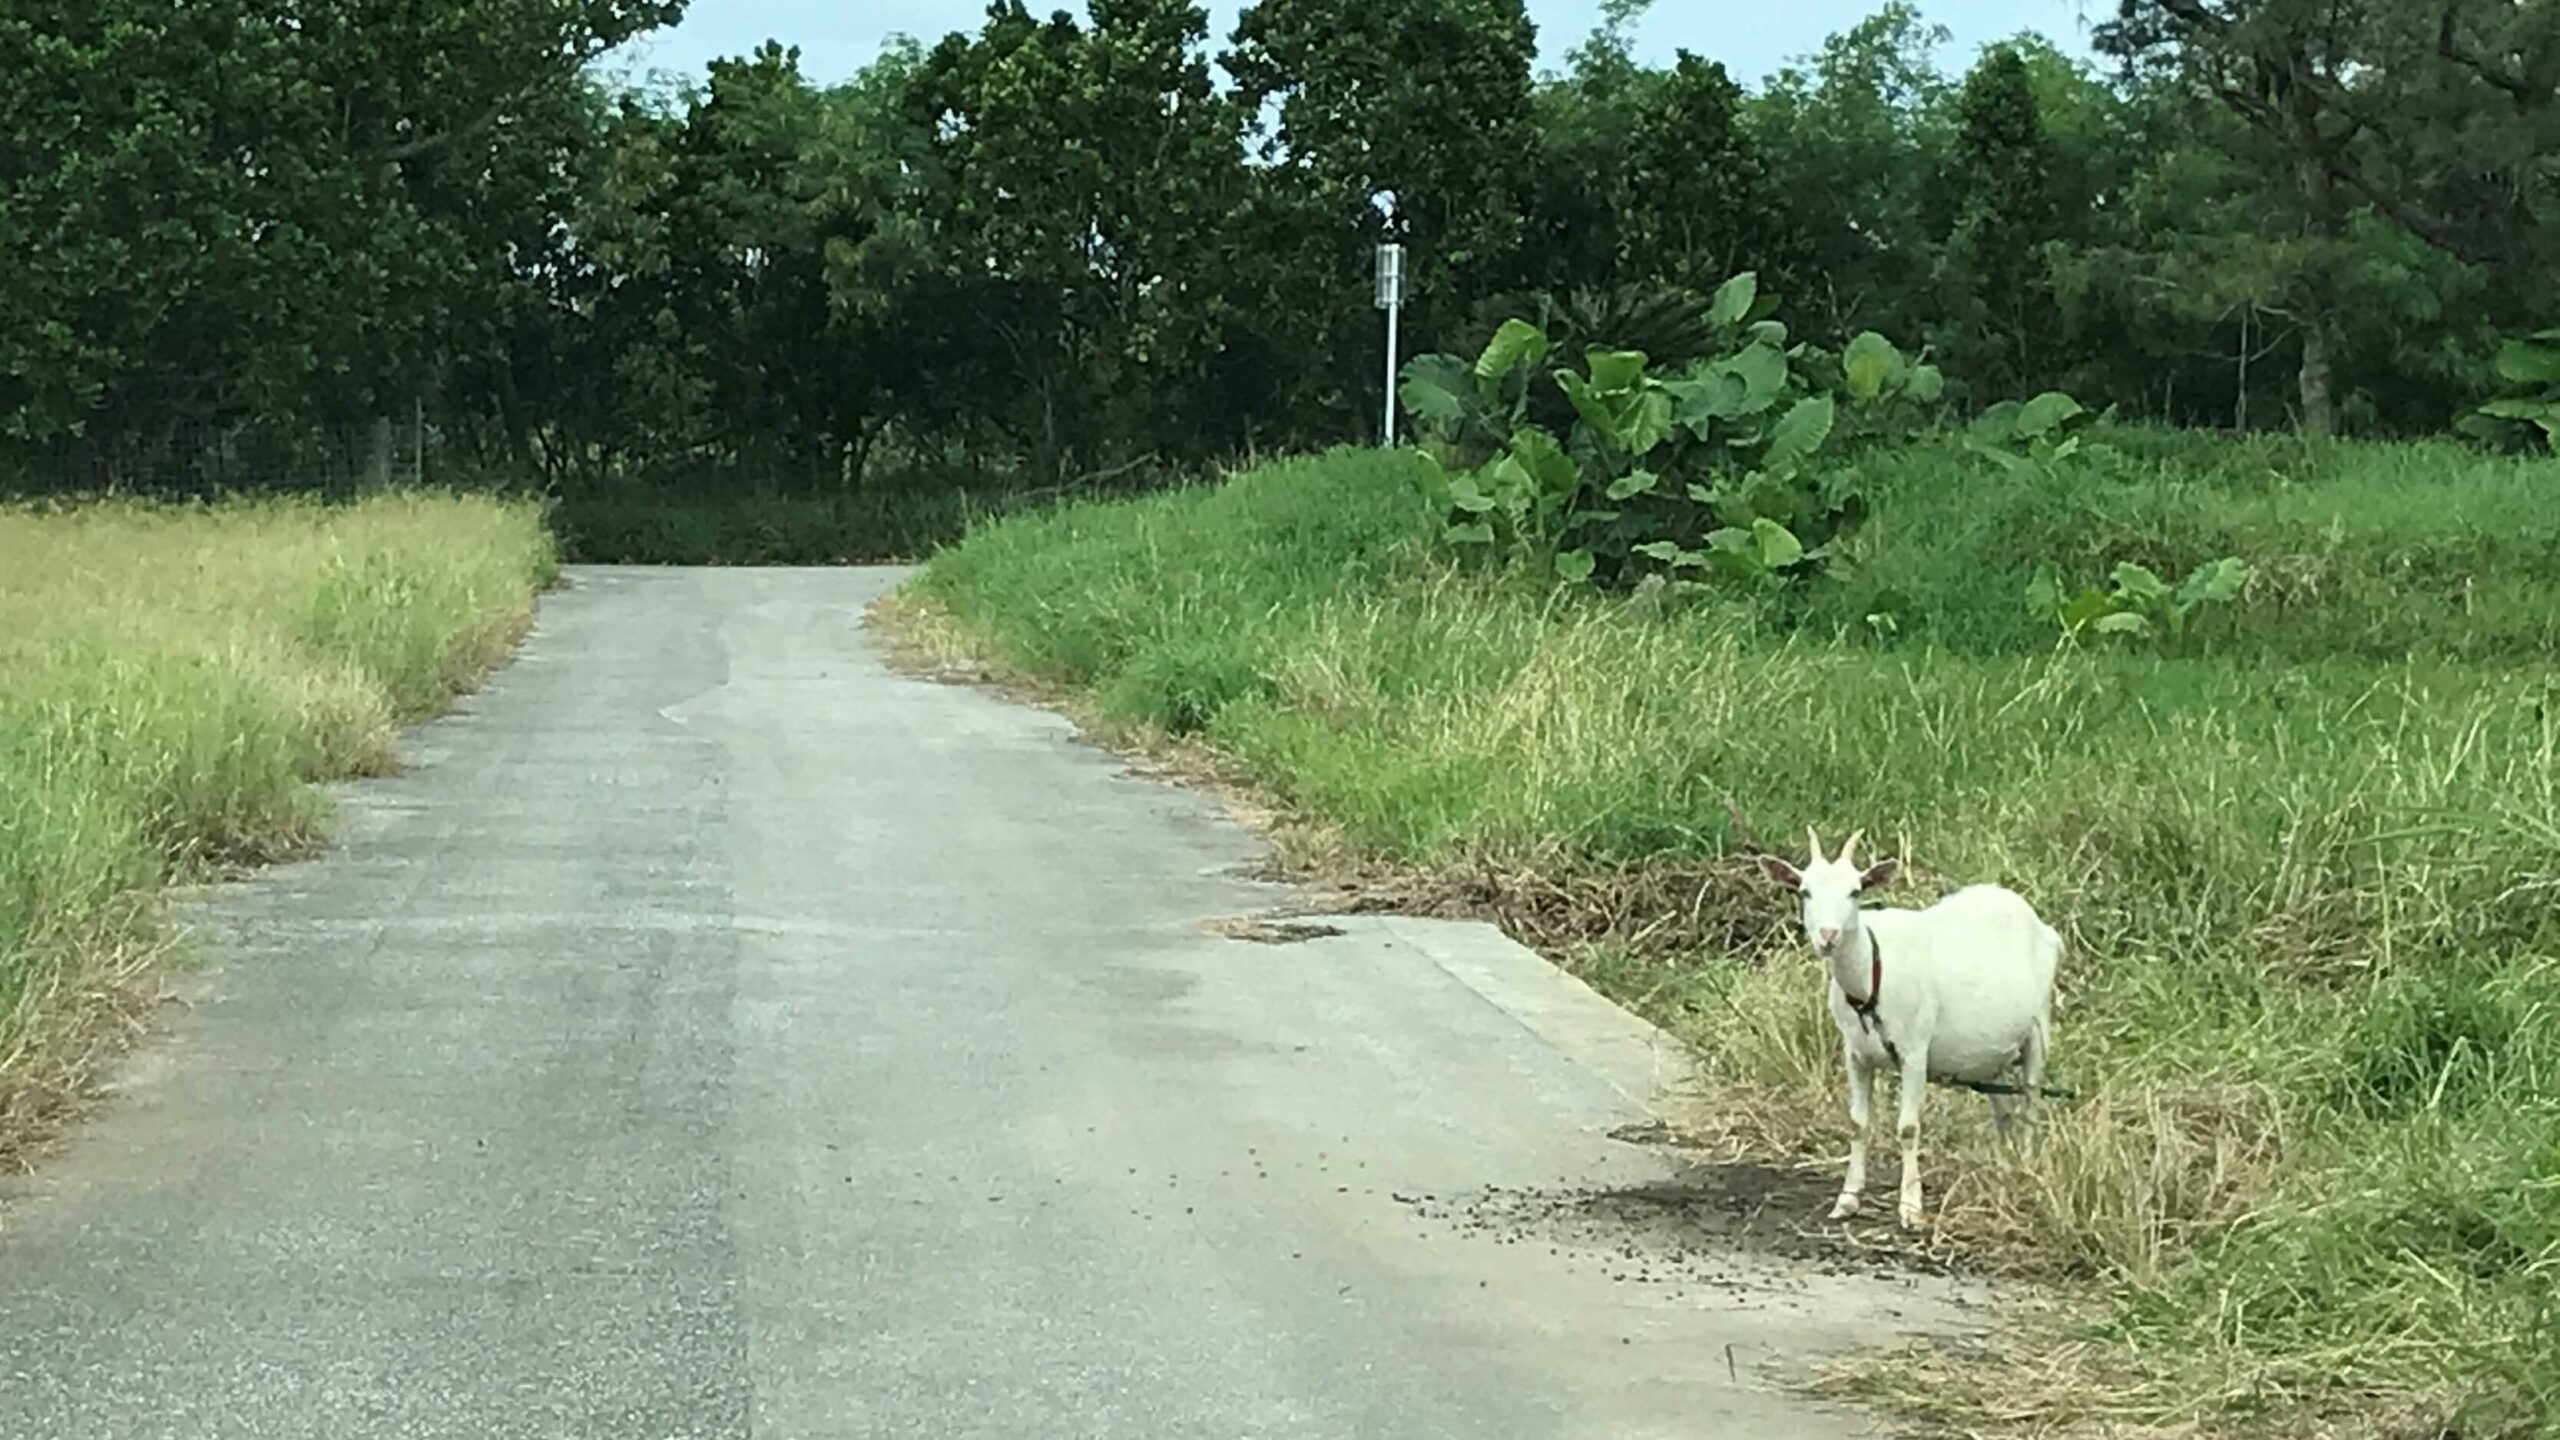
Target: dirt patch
point(1704, 1226)
point(1659, 908)
point(1269, 929)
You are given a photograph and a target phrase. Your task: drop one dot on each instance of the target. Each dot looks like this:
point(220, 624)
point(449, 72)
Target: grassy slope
point(171, 680)
point(2308, 866)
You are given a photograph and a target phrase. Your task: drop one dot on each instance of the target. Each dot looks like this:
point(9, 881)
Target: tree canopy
point(1054, 248)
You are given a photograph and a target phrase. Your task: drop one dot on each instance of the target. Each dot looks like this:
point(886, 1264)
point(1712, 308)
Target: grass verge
point(172, 682)
point(2308, 879)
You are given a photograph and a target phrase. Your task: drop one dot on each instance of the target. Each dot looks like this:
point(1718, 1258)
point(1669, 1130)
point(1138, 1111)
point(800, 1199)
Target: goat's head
point(1830, 889)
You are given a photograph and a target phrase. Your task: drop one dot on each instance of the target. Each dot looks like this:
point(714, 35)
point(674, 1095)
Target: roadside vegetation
point(2304, 846)
point(173, 682)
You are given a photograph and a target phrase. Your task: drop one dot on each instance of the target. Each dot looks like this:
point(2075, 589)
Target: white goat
point(1959, 991)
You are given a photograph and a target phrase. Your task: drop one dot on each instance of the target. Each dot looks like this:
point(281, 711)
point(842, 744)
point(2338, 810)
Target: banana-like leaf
point(1588, 404)
point(2039, 416)
point(2529, 362)
point(1517, 345)
point(1778, 545)
point(1734, 299)
point(1633, 483)
point(1550, 471)
point(1869, 364)
point(2140, 582)
point(1802, 432)
point(1438, 390)
point(1432, 479)
point(1614, 370)
point(1644, 421)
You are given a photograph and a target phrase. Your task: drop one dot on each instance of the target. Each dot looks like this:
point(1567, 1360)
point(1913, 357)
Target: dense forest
point(260, 245)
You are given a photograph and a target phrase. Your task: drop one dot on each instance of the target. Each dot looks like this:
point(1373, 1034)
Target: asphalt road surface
point(713, 1034)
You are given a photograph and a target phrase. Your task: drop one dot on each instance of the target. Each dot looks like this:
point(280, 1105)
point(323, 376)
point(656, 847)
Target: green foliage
point(2374, 551)
point(1992, 279)
point(1044, 251)
point(2137, 603)
point(652, 524)
point(1429, 101)
point(1119, 170)
point(2038, 433)
point(1707, 472)
point(2437, 120)
point(2428, 1042)
point(2530, 366)
point(1643, 176)
point(203, 221)
point(1854, 141)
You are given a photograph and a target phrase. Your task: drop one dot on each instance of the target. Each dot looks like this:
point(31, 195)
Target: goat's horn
point(1813, 843)
point(1848, 852)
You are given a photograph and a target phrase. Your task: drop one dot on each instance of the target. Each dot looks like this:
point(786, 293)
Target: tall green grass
point(172, 679)
point(2362, 551)
point(2308, 863)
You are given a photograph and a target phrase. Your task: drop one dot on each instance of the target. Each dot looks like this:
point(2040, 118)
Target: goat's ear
point(1879, 875)
point(1780, 871)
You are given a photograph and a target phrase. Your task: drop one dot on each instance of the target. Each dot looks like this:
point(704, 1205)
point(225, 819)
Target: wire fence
point(205, 459)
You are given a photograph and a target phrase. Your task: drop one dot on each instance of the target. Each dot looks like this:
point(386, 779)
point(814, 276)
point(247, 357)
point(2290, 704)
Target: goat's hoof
point(1845, 1207)
point(1910, 1216)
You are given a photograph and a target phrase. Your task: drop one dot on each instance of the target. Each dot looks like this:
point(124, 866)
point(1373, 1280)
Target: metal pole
point(1390, 298)
point(1393, 312)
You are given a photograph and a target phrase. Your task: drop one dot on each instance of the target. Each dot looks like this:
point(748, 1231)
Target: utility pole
point(1391, 300)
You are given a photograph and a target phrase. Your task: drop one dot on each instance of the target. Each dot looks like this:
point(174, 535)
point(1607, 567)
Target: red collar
point(1866, 1009)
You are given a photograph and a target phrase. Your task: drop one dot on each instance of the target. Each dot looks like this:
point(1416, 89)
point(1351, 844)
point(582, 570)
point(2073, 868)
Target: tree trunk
point(2316, 296)
point(2319, 399)
point(2317, 299)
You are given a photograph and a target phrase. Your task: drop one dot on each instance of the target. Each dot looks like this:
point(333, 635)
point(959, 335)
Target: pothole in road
point(1270, 930)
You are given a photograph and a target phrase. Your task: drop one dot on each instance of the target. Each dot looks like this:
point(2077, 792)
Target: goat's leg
point(2004, 1114)
point(2007, 1110)
point(1915, 1085)
point(2031, 1084)
point(1862, 1084)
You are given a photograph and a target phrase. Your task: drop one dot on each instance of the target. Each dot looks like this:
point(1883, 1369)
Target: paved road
point(713, 1035)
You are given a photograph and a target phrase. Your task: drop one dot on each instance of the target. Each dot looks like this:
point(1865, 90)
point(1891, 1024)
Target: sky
point(838, 37)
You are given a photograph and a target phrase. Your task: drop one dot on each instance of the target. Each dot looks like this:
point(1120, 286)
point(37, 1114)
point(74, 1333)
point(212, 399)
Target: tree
point(1574, 228)
point(1428, 101)
point(2433, 112)
point(1702, 208)
point(226, 209)
point(2001, 320)
point(1086, 175)
point(1854, 145)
